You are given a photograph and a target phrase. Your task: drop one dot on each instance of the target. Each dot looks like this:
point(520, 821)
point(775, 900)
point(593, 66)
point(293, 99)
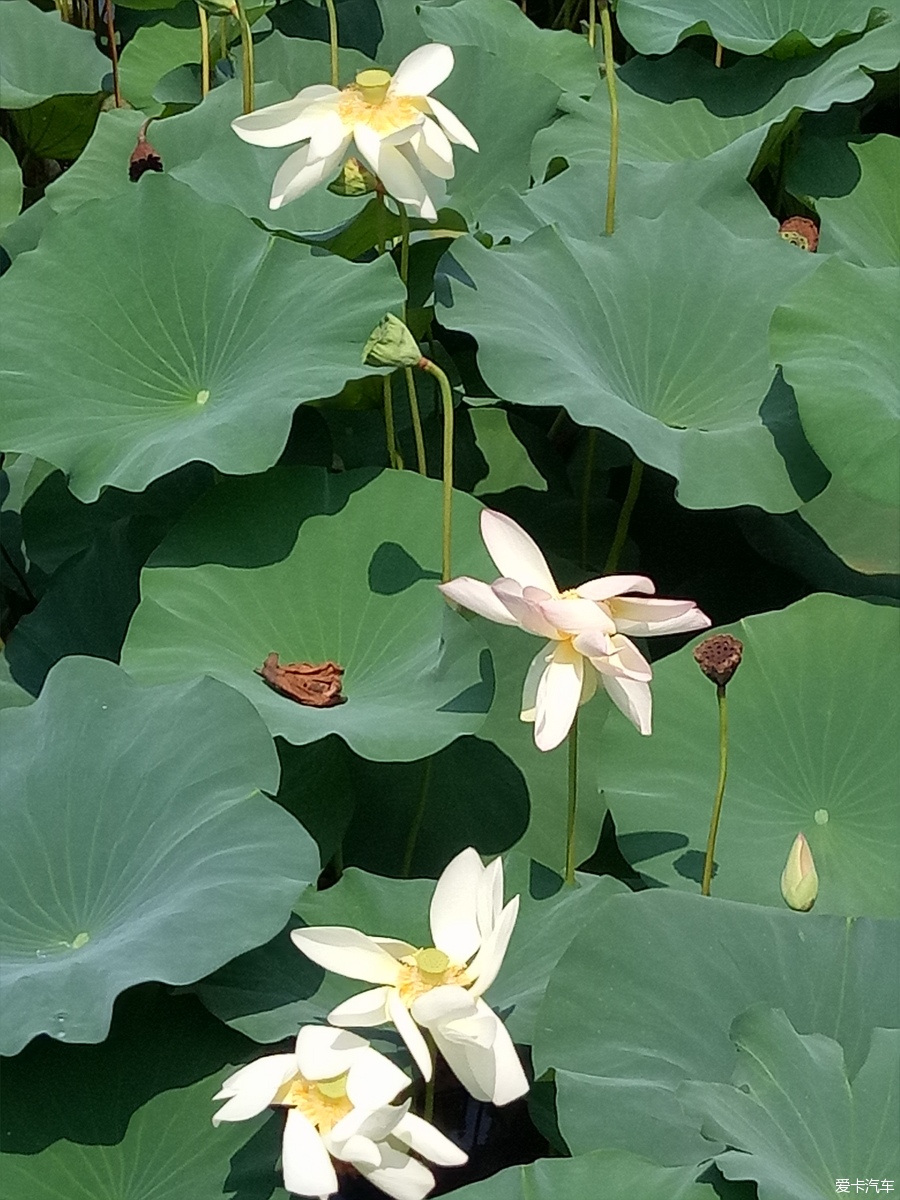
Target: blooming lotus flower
point(587, 627)
point(402, 133)
point(437, 987)
point(337, 1090)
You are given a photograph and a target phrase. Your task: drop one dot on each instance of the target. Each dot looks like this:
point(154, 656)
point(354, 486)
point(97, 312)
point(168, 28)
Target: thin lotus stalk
point(333, 41)
point(408, 371)
point(223, 38)
point(426, 364)
point(592, 23)
point(720, 791)
point(610, 72)
point(394, 458)
point(572, 740)
point(621, 534)
point(415, 827)
point(204, 51)
point(89, 17)
point(113, 53)
point(586, 492)
point(719, 51)
point(246, 57)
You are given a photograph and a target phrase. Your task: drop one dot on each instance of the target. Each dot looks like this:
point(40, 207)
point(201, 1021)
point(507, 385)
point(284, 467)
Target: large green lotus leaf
point(59, 127)
point(356, 587)
point(792, 1119)
point(202, 351)
point(657, 335)
point(153, 52)
point(12, 695)
point(834, 338)
point(137, 844)
point(42, 56)
point(10, 186)
point(644, 997)
point(101, 170)
point(860, 531)
point(612, 1173)
point(267, 993)
point(297, 63)
point(504, 30)
point(824, 664)
point(748, 26)
point(864, 226)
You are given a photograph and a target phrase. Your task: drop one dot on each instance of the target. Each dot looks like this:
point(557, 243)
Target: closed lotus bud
point(354, 180)
point(144, 157)
point(719, 657)
point(799, 881)
point(391, 345)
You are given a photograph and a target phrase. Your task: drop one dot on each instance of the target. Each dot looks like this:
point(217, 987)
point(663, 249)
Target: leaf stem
point(720, 791)
point(572, 741)
point(333, 41)
point(610, 72)
point(719, 51)
point(634, 487)
point(246, 57)
point(416, 825)
point(223, 39)
point(592, 23)
point(113, 53)
point(447, 512)
point(389, 428)
point(204, 50)
point(408, 371)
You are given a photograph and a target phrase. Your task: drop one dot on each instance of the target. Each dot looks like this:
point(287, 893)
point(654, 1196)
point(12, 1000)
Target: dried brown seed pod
point(719, 657)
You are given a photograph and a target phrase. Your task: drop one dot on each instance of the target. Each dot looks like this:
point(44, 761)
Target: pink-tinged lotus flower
point(337, 1091)
point(799, 879)
point(437, 987)
point(587, 628)
point(402, 133)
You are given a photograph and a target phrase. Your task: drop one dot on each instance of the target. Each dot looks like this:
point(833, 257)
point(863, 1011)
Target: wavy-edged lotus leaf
point(10, 186)
point(792, 1119)
point(834, 338)
point(859, 531)
point(826, 663)
point(621, 1016)
point(181, 332)
point(864, 226)
point(748, 26)
point(657, 335)
point(356, 587)
point(42, 56)
point(617, 1172)
point(151, 53)
point(267, 993)
point(137, 844)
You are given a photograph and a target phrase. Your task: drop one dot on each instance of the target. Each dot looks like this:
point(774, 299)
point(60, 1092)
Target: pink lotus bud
point(799, 881)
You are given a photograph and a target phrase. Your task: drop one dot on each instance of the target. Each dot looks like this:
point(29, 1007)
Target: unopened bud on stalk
point(719, 657)
point(144, 157)
point(391, 345)
point(799, 881)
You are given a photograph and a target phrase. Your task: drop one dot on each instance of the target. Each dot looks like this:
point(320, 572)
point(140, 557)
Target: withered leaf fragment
point(317, 685)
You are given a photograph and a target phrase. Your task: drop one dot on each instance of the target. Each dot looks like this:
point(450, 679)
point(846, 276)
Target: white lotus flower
point(437, 987)
point(403, 134)
point(337, 1091)
point(587, 627)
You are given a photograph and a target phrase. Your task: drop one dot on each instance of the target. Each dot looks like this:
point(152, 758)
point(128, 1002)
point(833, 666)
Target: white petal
point(478, 598)
point(524, 604)
point(433, 150)
point(364, 1009)
point(391, 167)
point(504, 1079)
point(614, 585)
point(558, 695)
point(633, 698)
point(284, 123)
point(422, 1137)
point(400, 1176)
point(536, 669)
point(305, 1162)
point(299, 174)
point(435, 189)
point(376, 1125)
point(422, 71)
point(359, 1150)
point(456, 1057)
point(347, 952)
point(515, 553)
point(253, 1088)
point(409, 1031)
point(395, 947)
point(625, 661)
point(450, 1002)
point(453, 912)
point(324, 1053)
point(646, 618)
point(577, 615)
point(593, 643)
point(451, 124)
point(589, 686)
point(374, 1080)
point(489, 959)
point(489, 901)
point(327, 135)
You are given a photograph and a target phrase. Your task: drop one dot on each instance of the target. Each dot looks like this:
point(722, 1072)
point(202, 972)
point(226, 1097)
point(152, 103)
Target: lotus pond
point(449, 609)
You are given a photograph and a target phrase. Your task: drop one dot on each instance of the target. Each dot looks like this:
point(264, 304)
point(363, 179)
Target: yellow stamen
point(426, 969)
point(373, 85)
point(324, 1102)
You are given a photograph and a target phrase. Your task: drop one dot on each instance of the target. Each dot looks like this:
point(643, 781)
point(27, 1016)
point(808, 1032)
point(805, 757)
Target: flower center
point(426, 969)
point(324, 1102)
point(366, 102)
point(373, 85)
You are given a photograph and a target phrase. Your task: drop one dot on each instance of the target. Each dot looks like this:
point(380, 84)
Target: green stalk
point(413, 837)
point(113, 53)
point(333, 41)
point(204, 50)
point(634, 487)
point(408, 371)
point(447, 515)
point(223, 38)
point(720, 791)
point(390, 431)
point(610, 71)
point(247, 57)
point(592, 23)
point(572, 740)
point(586, 492)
